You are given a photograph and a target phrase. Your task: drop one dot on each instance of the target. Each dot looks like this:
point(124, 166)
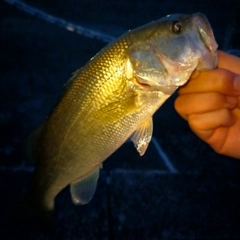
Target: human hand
point(210, 102)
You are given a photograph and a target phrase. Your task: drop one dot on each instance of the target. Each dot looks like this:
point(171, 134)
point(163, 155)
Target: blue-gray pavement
point(192, 193)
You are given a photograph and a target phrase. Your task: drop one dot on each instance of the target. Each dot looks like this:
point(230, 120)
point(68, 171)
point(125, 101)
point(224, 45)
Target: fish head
point(164, 53)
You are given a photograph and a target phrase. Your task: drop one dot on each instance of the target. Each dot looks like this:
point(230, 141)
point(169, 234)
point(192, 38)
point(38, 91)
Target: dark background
point(137, 197)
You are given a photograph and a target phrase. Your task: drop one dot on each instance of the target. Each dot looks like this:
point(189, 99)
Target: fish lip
point(205, 32)
point(208, 45)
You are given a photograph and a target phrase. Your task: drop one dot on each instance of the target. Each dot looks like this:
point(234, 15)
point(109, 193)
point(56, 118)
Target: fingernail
point(237, 82)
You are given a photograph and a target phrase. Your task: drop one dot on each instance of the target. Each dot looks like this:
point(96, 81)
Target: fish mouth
point(207, 44)
point(166, 89)
point(205, 32)
point(140, 83)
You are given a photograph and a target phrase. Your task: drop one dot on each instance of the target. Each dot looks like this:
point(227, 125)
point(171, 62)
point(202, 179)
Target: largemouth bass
point(112, 98)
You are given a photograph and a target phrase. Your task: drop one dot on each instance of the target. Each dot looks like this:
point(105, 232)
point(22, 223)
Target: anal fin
point(83, 189)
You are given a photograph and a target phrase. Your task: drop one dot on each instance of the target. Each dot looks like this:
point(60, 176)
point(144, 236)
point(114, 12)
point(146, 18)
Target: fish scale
point(112, 98)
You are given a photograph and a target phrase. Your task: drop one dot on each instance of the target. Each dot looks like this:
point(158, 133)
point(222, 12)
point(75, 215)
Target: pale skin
point(210, 102)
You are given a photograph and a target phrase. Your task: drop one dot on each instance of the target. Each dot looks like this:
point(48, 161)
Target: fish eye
point(177, 27)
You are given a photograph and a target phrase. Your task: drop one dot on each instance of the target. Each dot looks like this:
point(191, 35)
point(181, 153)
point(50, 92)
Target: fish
point(112, 98)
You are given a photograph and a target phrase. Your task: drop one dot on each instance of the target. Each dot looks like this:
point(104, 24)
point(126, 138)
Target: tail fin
point(30, 213)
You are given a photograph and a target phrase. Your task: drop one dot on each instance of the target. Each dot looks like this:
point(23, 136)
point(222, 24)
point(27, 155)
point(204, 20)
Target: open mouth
point(145, 85)
point(205, 32)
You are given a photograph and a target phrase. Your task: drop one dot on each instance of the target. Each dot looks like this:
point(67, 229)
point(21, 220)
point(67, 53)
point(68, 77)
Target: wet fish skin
point(112, 98)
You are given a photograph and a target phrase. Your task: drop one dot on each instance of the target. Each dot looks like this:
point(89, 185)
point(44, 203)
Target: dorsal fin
point(29, 145)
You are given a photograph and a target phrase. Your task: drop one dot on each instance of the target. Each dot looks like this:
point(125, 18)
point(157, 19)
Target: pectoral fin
point(83, 189)
point(142, 136)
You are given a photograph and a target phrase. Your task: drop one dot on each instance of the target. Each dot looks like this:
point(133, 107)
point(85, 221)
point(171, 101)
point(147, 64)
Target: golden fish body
point(112, 98)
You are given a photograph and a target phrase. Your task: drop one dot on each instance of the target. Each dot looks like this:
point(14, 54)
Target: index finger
point(216, 80)
point(229, 62)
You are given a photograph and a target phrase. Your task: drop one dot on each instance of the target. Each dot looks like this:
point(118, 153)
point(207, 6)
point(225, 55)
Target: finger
point(205, 124)
point(228, 61)
point(217, 80)
point(203, 102)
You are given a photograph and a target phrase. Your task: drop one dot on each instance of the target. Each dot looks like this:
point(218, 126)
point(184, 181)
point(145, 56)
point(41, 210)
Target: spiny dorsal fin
point(142, 136)
point(83, 189)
